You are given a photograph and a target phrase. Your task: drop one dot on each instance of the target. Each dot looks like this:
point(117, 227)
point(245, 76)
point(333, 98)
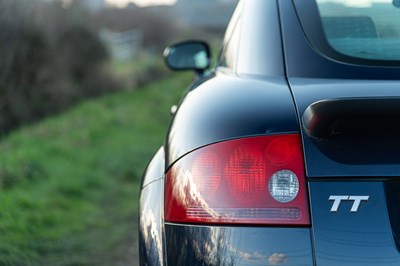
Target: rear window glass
point(364, 29)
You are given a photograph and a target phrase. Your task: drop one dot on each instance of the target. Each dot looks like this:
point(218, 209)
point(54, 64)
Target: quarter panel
point(227, 107)
point(155, 169)
point(260, 48)
point(150, 224)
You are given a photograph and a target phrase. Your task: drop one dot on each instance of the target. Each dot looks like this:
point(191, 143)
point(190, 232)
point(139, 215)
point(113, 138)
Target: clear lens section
point(284, 186)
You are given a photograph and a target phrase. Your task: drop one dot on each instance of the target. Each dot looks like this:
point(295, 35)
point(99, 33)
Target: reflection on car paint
point(219, 245)
point(150, 228)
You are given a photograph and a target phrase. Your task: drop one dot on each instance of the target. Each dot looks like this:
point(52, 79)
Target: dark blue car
point(288, 152)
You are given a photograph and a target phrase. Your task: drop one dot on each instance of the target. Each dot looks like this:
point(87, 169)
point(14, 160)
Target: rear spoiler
point(364, 116)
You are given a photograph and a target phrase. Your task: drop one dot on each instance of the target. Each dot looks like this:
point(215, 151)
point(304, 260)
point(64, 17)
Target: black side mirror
point(188, 55)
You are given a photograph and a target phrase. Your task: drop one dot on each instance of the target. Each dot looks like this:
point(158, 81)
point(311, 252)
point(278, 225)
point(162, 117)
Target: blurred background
point(85, 101)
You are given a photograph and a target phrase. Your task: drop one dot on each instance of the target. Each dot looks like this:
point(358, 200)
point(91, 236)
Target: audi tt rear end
point(287, 152)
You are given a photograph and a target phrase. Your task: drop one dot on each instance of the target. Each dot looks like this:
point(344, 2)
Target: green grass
point(70, 184)
point(140, 71)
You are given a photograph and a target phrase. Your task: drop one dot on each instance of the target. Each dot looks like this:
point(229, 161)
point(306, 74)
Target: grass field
point(69, 185)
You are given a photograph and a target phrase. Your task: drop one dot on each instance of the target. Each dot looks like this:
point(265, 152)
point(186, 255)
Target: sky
point(141, 2)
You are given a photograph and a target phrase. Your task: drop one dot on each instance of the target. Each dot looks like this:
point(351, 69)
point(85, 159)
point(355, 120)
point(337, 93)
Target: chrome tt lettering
point(356, 202)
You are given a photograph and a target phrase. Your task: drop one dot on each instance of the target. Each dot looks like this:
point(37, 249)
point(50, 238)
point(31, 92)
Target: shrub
point(50, 58)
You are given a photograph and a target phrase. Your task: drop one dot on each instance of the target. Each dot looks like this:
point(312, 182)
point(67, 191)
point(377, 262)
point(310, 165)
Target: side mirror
point(188, 55)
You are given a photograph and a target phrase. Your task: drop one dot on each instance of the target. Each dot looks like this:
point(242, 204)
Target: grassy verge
point(70, 184)
point(142, 70)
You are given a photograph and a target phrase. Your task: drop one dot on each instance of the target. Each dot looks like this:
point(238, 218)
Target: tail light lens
point(256, 180)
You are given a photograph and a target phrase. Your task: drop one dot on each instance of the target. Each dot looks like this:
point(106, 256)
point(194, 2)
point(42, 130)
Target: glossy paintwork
point(352, 238)
point(227, 107)
point(155, 169)
point(321, 157)
point(247, 246)
point(260, 46)
point(355, 115)
point(392, 191)
point(150, 212)
point(150, 224)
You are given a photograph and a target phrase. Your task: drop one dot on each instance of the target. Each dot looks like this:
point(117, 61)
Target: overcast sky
point(141, 2)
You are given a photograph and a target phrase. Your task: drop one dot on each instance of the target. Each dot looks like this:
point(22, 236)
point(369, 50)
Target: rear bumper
point(218, 245)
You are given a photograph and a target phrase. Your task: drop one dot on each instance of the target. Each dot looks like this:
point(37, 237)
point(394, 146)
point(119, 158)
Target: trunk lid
point(350, 132)
point(368, 235)
point(361, 140)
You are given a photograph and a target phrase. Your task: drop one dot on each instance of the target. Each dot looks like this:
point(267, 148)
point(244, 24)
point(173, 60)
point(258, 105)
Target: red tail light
point(256, 180)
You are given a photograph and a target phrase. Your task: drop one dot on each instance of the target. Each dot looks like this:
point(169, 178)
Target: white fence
point(123, 46)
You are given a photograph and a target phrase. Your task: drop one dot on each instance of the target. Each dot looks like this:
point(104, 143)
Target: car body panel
point(321, 160)
point(150, 212)
point(155, 170)
point(260, 42)
point(228, 107)
point(151, 225)
point(248, 246)
point(343, 237)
